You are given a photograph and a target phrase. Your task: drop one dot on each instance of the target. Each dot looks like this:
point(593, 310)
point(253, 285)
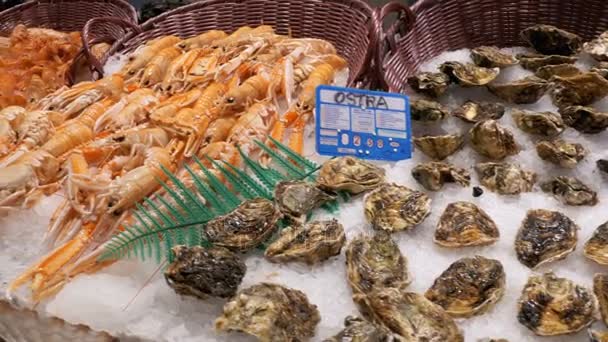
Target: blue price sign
point(362, 123)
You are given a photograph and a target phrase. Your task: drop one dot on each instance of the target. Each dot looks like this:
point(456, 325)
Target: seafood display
point(433, 175)
point(570, 191)
point(505, 178)
point(393, 208)
point(560, 152)
point(474, 112)
point(439, 147)
point(491, 140)
point(463, 224)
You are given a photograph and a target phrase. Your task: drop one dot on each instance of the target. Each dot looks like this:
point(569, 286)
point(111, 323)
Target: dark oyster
point(527, 90)
point(560, 152)
point(551, 306)
point(427, 111)
point(545, 124)
point(597, 336)
point(203, 272)
point(433, 84)
point(582, 89)
point(570, 191)
point(472, 111)
point(439, 147)
point(598, 48)
point(246, 226)
point(469, 287)
point(393, 207)
point(464, 224)
point(270, 312)
point(504, 178)
point(584, 119)
point(534, 62)
point(562, 70)
point(296, 199)
point(545, 236)
point(492, 57)
point(596, 248)
point(550, 40)
point(349, 174)
point(602, 165)
point(433, 175)
point(468, 74)
point(311, 243)
point(492, 140)
point(357, 329)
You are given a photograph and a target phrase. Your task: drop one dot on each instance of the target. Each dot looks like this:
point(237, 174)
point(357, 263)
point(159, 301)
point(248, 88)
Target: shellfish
point(563, 70)
point(582, 89)
point(492, 57)
point(296, 199)
point(600, 288)
point(524, 91)
point(427, 111)
point(432, 84)
point(468, 74)
point(504, 178)
point(349, 174)
point(560, 152)
point(570, 191)
point(356, 329)
point(596, 248)
point(598, 48)
point(584, 119)
point(433, 175)
point(439, 147)
point(550, 40)
point(472, 111)
point(545, 124)
point(602, 165)
point(534, 62)
point(393, 207)
point(492, 140)
point(464, 224)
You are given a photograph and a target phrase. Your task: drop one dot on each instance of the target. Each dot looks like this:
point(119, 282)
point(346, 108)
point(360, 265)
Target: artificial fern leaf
point(219, 187)
point(259, 190)
point(215, 204)
point(291, 169)
point(194, 205)
point(239, 184)
point(295, 157)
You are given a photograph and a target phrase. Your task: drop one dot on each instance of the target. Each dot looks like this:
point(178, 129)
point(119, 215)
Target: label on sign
point(362, 123)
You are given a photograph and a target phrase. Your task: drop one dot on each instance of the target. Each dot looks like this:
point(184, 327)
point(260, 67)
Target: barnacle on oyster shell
point(545, 124)
point(271, 313)
point(356, 329)
point(562, 70)
point(545, 236)
point(524, 91)
point(492, 57)
point(439, 147)
point(582, 89)
point(534, 62)
point(468, 287)
point(550, 40)
point(464, 224)
point(433, 84)
point(296, 199)
point(433, 175)
point(427, 111)
point(570, 191)
point(393, 207)
point(492, 140)
point(203, 272)
point(350, 174)
point(597, 336)
point(311, 243)
point(560, 152)
point(550, 305)
point(600, 288)
point(504, 178)
point(596, 248)
point(598, 48)
point(468, 74)
point(584, 119)
point(602, 165)
point(472, 111)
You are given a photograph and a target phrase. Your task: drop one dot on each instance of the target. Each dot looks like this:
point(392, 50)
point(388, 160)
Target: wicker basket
point(442, 25)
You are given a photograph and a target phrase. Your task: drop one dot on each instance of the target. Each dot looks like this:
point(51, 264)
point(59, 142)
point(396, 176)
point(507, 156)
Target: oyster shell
point(597, 336)
point(439, 147)
point(311, 243)
point(560, 152)
point(551, 306)
point(349, 174)
point(433, 84)
point(296, 199)
point(602, 165)
point(570, 191)
point(468, 74)
point(598, 48)
point(545, 236)
point(563, 70)
point(271, 313)
point(433, 175)
point(545, 124)
point(596, 248)
point(492, 140)
point(600, 288)
point(550, 40)
point(246, 226)
point(493, 340)
point(584, 119)
point(472, 111)
point(469, 287)
point(534, 62)
point(504, 178)
point(357, 329)
point(393, 207)
point(582, 89)
point(492, 57)
point(203, 272)
point(464, 224)
point(427, 111)
point(524, 91)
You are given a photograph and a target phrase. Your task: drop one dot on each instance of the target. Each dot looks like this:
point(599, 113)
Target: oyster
point(357, 329)
point(492, 140)
point(203, 272)
point(469, 287)
point(602, 165)
point(492, 57)
point(393, 207)
point(311, 243)
point(582, 89)
point(271, 313)
point(439, 147)
point(534, 62)
point(349, 174)
point(468, 74)
point(433, 84)
point(504, 178)
point(472, 111)
point(464, 224)
point(584, 119)
point(545, 124)
point(560, 152)
point(596, 248)
point(493, 340)
point(570, 191)
point(551, 306)
point(550, 40)
point(527, 90)
point(545, 236)
point(598, 48)
point(246, 226)
point(296, 199)
point(562, 70)
point(427, 111)
point(433, 175)
point(597, 336)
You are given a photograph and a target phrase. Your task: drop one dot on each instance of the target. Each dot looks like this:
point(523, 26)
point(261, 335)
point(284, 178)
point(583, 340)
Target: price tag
point(362, 123)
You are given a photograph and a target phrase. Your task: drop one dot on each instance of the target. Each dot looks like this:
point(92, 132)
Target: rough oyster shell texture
point(464, 224)
point(579, 90)
point(563, 70)
point(270, 312)
point(597, 336)
point(393, 207)
point(544, 124)
point(203, 272)
point(584, 119)
point(600, 288)
point(570, 191)
point(602, 165)
point(433, 175)
point(492, 140)
point(550, 40)
point(505, 178)
point(349, 174)
point(468, 74)
point(472, 111)
point(534, 62)
point(598, 48)
point(596, 248)
point(427, 111)
point(560, 152)
point(311, 243)
point(492, 57)
point(524, 91)
point(297, 198)
point(468, 287)
point(439, 147)
point(545, 236)
point(357, 329)
point(432, 84)
point(550, 305)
